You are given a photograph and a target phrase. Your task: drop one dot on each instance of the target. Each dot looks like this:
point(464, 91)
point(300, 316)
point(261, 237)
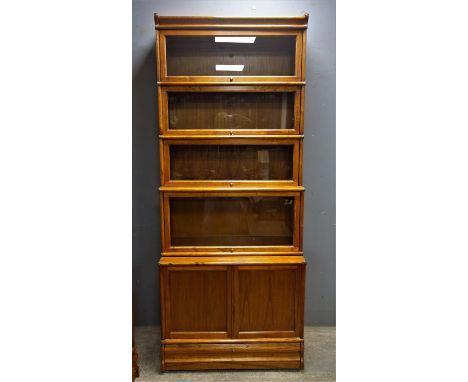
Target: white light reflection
point(239, 40)
point(229, 68)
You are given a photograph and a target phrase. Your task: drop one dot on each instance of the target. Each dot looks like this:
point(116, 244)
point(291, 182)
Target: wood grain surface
point(232, 271)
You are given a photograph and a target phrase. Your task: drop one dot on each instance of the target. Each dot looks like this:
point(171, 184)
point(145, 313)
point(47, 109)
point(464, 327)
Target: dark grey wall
point(319, 149)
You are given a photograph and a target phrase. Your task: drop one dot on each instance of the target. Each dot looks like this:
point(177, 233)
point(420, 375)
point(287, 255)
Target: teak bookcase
point(232, 270)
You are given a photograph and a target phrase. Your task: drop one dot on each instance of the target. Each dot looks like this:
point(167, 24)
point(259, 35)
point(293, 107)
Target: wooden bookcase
point(232, 270)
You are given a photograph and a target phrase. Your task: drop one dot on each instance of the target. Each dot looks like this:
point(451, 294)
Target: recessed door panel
point(266, 301)
point(197, 301)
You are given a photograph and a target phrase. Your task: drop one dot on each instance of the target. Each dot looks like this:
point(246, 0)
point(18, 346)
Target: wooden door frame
point(164, 78)
point(169, 250)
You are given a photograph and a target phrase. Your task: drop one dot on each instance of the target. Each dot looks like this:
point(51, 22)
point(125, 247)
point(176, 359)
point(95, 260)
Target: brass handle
point(231, 79)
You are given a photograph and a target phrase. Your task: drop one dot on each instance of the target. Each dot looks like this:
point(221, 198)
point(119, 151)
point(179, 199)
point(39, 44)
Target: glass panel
point(232, 221)
point(231, 162)
point(231, 111)
point(216, 56)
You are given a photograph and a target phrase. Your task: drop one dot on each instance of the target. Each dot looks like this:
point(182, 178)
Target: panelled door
point(232, 301)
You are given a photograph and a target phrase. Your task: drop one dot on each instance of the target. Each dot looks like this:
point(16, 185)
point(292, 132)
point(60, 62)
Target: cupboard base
point(232, 354)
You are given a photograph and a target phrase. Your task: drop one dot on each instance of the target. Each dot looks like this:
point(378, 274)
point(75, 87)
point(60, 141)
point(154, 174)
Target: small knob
point(232, 250)
point(231, 79)
point(231, 184)
point(230, 133)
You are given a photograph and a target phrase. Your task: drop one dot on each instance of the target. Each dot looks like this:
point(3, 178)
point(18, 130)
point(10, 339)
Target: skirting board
point(238, 354)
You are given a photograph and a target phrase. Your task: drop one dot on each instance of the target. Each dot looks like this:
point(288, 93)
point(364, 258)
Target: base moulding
point(232, 354)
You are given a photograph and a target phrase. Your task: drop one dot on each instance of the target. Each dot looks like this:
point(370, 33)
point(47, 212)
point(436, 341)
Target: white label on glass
point(240, 40)
point(230, 68)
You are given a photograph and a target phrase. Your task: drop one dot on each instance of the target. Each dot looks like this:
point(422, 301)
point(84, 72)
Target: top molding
point(223, 22)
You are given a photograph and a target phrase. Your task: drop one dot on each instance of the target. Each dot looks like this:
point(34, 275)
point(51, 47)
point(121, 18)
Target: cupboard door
point(231, 221)
point(196, 302)
point(268, 301)
point(230, 55)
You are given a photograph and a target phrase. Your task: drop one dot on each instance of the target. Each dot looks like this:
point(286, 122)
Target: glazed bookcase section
point(230, 110)
point(230, 163)
point(231, 222)
point(226, 56)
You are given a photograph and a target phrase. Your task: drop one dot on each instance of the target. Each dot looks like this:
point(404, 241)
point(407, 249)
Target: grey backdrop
point(319, 147)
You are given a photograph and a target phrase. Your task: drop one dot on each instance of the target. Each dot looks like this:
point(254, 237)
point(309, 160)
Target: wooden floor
point(319, 361)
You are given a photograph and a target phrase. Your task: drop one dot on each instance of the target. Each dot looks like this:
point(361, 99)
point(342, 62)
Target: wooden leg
point(135, 369)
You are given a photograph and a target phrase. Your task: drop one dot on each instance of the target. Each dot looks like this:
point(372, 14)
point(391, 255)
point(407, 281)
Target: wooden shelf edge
point(231, 22)
point(232, 260)
point(234, 136)
point(259, 189)
point(252, 27)
point(231, 340)
point(227, 83)
point(226, 253)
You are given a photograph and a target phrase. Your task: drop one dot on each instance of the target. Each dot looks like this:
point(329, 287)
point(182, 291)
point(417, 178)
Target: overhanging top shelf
point(223, 22)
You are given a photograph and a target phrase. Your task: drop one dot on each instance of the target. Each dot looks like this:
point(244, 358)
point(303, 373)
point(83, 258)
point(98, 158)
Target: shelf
point(228, 22)
point(231, 260)
point(233, 136)
point(260, 189)
point(227, 81)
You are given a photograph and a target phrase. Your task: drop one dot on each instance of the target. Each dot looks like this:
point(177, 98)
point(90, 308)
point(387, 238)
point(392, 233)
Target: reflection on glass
point(235, 39)
point(199, 55)
point(231, 111)
point(231, 162)
point(232, 221)
point(229, 68)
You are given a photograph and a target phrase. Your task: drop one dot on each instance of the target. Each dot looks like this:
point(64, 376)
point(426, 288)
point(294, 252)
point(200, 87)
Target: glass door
point(236, 162)
point(231, 222)
point(230, 56)
point(230, 110)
